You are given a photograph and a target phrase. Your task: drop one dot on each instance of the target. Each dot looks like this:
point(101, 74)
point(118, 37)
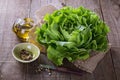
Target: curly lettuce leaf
point(72, 33)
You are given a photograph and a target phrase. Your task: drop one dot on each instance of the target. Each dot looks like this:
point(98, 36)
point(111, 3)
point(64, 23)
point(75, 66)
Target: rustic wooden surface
point(10, 10)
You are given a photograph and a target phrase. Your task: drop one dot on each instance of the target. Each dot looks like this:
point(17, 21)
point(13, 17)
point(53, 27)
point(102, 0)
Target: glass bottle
point(22, 27)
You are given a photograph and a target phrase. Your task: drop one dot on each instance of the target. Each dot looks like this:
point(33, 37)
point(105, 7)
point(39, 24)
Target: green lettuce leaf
point(72, 33)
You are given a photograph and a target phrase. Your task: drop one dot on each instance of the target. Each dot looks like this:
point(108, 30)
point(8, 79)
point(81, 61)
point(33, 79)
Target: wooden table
point(10, 10)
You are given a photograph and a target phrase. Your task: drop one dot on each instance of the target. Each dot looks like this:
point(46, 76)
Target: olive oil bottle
point(22, 27)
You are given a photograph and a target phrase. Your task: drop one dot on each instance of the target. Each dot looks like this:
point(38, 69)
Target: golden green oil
point(22, 28)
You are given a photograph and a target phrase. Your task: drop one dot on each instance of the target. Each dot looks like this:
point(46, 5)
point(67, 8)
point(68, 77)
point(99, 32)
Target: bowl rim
point(23, 61)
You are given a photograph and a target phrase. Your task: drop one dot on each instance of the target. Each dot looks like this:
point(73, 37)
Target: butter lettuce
point(72, 33)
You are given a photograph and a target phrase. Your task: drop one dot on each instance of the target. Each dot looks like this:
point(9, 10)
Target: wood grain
point(116, 59)
point(111, 13)
point(10, 10)
point(105, 69)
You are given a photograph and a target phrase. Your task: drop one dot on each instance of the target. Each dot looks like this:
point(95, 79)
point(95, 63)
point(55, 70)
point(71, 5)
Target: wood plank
point(116, 59)
point(105, 69)
point(10, 11)
point(32, 67)
point(111, 13)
